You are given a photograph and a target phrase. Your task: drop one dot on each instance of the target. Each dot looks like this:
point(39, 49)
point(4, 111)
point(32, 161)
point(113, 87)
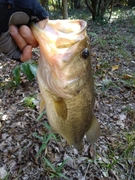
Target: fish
point(65, 80)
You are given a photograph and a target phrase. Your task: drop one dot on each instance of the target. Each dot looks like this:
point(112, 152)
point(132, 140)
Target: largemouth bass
point(65, 80)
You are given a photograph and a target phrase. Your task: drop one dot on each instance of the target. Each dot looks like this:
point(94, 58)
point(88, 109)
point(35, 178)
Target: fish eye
point(85, 53)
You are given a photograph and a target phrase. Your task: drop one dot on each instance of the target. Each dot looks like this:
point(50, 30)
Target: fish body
point(65, 80)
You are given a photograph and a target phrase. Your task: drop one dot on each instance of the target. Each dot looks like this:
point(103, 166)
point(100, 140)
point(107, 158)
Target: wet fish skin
point(65, 80)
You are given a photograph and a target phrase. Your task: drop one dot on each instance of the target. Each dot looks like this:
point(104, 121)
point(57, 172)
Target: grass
point(29, 101)
point(6, 177)
point(55, 171)
point(45, 138)
point(118, 156)
point(52, 170)
point(120, 152)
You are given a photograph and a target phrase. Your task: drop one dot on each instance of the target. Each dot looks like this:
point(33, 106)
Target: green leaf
point(40, 116)
point(47, 126)
point(33, 68)
point(26, 70)
point(62, 175)
point(16, 73)
point(56, 171)
point(49, 137)
point(37, 136)
point(62, 165)
point(49, 164)
point(41, 149)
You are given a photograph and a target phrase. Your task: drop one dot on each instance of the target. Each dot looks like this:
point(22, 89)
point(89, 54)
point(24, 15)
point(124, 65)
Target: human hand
point(25, 39)
point(19, 16)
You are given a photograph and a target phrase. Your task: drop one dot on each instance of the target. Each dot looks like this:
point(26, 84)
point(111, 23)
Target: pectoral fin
point(94, 131)
point(42, 103)
point(42, 106)
point(61, 108)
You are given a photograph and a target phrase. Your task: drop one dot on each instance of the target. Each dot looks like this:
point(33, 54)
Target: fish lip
point(53, 36)
point(65, 21)
point(51, 23)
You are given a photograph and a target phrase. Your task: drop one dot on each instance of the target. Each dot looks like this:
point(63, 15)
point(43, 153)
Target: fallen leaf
point(98, 66)
point(92, 152)
point(117, 59)
point(71, 162)
point(115, 67)
point(5, 135)
point(122, 117)
point(3, 173)
point(127, 76)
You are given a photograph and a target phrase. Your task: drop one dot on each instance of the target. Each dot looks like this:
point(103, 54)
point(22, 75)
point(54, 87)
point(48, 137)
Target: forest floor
point(112, 157)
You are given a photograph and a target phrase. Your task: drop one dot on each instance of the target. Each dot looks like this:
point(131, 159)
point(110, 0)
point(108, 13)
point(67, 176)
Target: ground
point(23, 132)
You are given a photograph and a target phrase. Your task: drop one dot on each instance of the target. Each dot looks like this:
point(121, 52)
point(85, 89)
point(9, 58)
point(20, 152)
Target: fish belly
point(71, 117)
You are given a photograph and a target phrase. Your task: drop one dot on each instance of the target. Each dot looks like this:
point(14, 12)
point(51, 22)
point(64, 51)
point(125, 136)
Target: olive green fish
point(65, 80)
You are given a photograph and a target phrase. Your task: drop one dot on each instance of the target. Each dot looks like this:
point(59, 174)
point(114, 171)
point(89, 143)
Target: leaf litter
point(113, 156)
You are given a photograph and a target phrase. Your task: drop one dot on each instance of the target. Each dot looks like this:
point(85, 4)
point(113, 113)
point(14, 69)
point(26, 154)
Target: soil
point(112, 157)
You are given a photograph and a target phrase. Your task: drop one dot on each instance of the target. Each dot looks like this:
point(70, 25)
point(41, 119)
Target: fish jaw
point(57, 43)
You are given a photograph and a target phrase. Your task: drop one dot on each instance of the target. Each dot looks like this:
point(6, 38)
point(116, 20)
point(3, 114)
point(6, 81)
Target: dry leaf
point(92, 152)
point(98, 66)
point(3, 172)
point(127, 76)
point(115, 67)
point(117, 59)
point(122, 117)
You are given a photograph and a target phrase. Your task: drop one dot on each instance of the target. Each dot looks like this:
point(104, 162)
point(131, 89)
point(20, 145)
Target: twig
point(86, 171)
point(131, 171)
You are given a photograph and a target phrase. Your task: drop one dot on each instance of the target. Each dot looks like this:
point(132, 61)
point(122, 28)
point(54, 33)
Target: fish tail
point(79, 146)
point(94, 131)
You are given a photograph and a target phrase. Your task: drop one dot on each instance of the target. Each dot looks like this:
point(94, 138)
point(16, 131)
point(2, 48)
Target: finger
point(42, 24)
point(26, 54)
point(28, 36)
point(20, 41)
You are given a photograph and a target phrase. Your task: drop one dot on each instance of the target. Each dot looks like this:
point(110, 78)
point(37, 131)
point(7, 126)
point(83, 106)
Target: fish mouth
point(57, 43)
point(58, 36)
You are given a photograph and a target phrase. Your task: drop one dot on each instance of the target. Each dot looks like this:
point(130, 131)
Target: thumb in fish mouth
point(42, 24)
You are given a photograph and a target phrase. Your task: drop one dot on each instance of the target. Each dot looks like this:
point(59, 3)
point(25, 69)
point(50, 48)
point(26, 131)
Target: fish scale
point(67, 87)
